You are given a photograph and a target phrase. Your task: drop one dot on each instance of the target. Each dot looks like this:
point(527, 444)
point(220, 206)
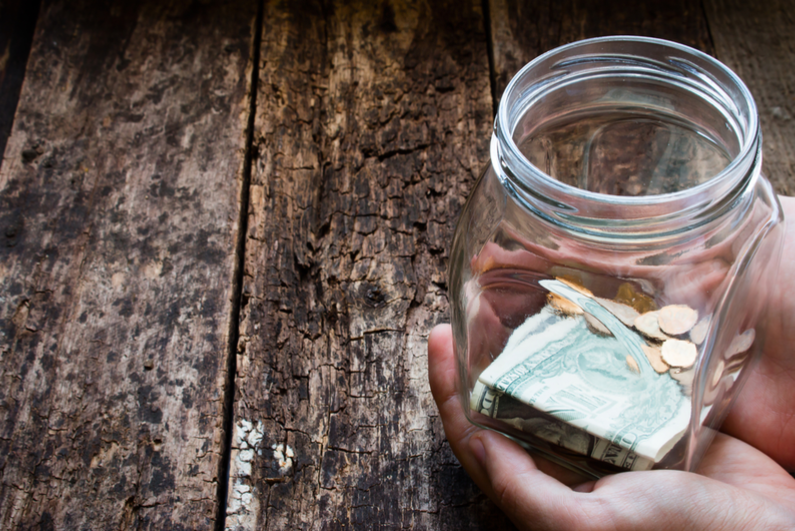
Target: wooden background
point(224, 230)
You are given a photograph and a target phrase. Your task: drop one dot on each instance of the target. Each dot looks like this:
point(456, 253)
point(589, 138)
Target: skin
point(742, 482)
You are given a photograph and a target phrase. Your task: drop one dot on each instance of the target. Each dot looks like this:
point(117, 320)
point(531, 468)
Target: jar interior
point(630, 135)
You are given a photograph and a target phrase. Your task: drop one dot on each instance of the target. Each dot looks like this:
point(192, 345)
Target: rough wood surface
point(118, 214)
point(520, 31)
point(373, 121)
point(756, 40)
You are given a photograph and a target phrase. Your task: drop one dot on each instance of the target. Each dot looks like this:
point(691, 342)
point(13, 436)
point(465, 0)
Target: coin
point(717, 390)
point(718, 374)
point(655, 358)
point(564, 306)
point(741, 343)
point(685, 378)
point(633, 365)
point(626, 314)
point(677, 319)
point(648, 326)
point(699, 332)
point(678, 353)
point(736, 362)
point(641, 302)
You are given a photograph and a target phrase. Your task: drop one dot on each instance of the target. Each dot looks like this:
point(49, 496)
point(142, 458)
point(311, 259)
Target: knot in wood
point(373, 295)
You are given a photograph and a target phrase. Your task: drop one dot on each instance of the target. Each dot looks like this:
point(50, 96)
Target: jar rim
point(720, 86)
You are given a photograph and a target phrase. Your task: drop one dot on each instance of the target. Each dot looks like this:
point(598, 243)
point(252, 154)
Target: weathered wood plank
point(118, 213)
point(520, 31)
point(373, 121)
point(756, 40)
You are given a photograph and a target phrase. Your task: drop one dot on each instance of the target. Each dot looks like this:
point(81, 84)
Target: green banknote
point(557, 365)
point(487, 401)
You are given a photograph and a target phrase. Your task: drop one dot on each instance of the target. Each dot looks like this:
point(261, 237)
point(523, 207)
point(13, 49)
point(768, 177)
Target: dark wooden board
point(119, 216)
point(520, 31)
point(118, 223)
point(373, 121)
point(756, 40)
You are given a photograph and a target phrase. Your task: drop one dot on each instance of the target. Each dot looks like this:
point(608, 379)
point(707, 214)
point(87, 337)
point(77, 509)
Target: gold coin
point(678, 353)
point(647, 325)
point(626, 314)
point(640, 301)
point(655, 358)
point(677, 319)
point(564, 306)
point(633, 365)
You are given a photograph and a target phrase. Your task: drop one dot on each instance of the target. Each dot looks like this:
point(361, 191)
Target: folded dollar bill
point(556, 364)
point(487, 401)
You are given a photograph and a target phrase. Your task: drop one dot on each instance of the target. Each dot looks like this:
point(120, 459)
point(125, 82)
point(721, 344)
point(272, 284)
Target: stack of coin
point(672, 333)
point(666, 330)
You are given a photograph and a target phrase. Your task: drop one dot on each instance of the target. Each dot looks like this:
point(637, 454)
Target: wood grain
point(373, 121)
point(119, 211)
point(520, 31)
point(119, 206)
point(756, 40)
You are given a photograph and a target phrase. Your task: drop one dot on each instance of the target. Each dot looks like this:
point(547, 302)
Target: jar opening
point(627, 130)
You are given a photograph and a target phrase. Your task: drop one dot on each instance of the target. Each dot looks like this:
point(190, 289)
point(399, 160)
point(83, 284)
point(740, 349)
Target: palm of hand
point(764, 414)
point(738, 487)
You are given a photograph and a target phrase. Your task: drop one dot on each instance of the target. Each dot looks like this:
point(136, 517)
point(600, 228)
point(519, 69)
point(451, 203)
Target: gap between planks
point(240, 258)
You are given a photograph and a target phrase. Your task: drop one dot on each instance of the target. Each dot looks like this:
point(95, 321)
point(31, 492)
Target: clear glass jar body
point(611, 265)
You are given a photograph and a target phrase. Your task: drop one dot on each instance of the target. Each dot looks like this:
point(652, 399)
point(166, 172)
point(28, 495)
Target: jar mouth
point(676, 73)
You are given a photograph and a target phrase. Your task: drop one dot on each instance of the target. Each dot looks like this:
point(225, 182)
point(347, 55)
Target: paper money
point(627, 337)
point(487, 401)
point(553, 363)
point(626, 314)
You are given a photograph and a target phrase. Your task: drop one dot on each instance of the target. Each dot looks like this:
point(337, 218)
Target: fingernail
point(476, 446)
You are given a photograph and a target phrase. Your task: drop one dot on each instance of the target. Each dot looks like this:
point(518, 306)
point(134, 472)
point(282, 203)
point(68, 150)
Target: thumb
point(658, 499)
point(530, 498)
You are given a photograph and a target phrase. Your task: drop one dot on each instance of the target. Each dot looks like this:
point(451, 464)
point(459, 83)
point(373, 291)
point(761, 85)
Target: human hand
point(737, 487)
point(764, 414)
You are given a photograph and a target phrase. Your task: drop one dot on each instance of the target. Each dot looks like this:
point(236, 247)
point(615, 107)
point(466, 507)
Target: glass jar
point(611, 264)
